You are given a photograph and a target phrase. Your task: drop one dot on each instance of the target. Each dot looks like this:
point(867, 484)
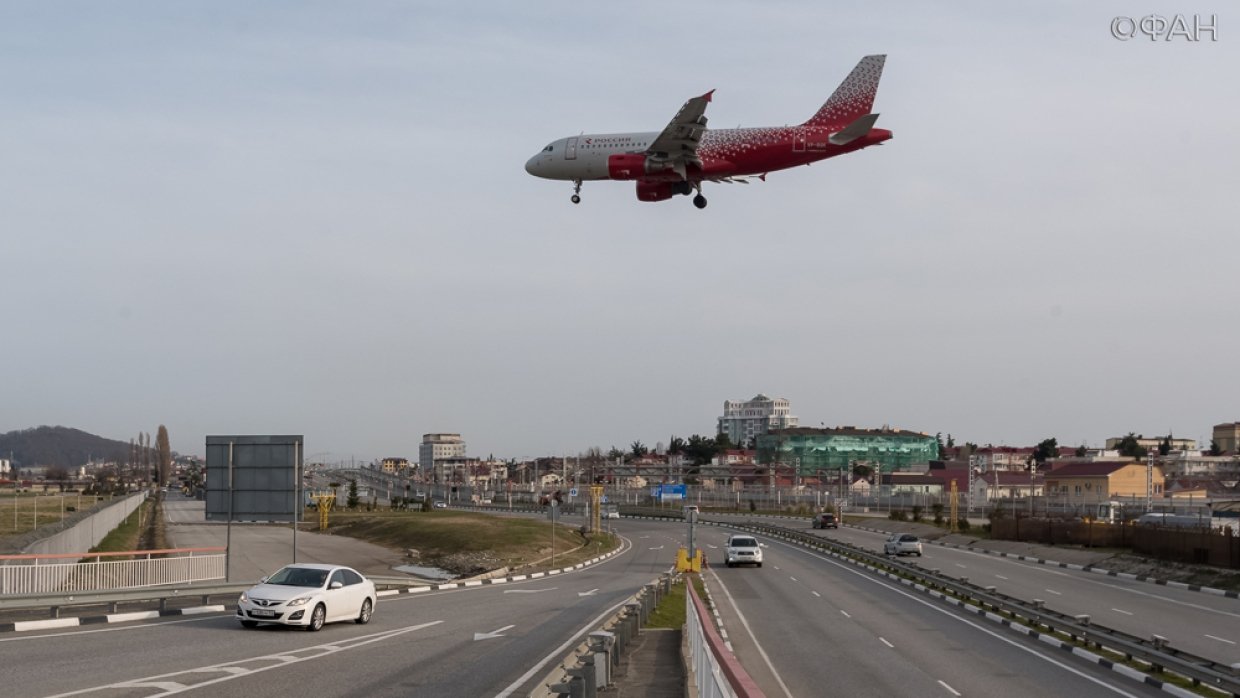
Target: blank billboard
point(264, 477)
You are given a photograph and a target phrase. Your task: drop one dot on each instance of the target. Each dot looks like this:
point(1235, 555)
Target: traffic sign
point(604, 500)
point(572, 492)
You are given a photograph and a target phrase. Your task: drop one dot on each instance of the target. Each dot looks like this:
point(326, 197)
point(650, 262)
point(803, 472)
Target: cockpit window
point(549, 148)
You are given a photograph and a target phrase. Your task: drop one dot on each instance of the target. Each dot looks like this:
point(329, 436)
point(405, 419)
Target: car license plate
point(263, 614)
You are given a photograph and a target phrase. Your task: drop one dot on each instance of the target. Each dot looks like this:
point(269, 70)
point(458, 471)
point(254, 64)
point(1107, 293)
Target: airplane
point(678, 159)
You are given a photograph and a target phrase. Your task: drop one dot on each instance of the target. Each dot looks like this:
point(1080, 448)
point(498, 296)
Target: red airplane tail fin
point(854, 97)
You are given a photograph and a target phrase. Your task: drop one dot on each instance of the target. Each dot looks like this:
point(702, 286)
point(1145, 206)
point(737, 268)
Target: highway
point(1203, 624)
point(806, 625)
point(803, 625)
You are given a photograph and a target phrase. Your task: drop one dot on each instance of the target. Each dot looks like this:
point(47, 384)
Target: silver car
point(902, 544)
point(308, 596)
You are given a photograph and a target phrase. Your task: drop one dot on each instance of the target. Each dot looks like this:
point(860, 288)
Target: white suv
point(743, 550)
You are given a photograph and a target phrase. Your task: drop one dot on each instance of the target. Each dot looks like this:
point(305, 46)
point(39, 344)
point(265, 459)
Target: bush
point(917, 509)
point(898, 515)
point(962, 524)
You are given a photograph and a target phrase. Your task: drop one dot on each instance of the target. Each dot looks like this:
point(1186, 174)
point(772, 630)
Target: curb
point(27, 625)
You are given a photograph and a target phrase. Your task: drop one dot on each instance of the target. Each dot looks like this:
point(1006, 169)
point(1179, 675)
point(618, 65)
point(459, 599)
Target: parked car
point(440, 504)
point(308, 596)
point(902, 544)
point(826, 520)
point(743, 550)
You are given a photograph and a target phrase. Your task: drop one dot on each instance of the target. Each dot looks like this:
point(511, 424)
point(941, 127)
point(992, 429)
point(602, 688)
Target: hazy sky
point(312, 217)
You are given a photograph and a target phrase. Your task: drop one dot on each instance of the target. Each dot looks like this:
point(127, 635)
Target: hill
point(59, 447)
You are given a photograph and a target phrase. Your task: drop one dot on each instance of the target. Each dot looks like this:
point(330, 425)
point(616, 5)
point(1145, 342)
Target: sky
point(313, 218)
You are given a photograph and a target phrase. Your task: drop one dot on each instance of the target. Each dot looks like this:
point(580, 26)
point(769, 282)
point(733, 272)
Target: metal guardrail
point(57, 600)
point(63, 573)
point(1155, 651)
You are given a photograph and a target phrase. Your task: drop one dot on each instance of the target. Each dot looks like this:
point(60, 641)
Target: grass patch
point(670, 613)
point(47, 507)
point(125, 536)
point(495, 540)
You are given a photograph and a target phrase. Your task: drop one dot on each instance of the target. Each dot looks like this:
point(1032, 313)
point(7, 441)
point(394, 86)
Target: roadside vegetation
point(469, 543)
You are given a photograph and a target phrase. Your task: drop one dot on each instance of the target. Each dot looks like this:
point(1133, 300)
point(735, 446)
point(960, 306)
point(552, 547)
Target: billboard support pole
point(297, 504)
point(228, 527)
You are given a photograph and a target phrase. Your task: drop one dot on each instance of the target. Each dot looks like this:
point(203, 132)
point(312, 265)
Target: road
point(806, 625)
point(803, 625)
point(1203, 624)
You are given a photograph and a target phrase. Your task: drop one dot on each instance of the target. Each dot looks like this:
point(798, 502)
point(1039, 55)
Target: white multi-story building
point(439, 447)
point(6, 466)
point(743, 421)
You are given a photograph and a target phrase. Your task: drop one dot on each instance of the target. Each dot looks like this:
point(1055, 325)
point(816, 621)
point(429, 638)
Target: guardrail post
point(54, 611)
point(601, 643)
point(589, 675)
point(576, 684)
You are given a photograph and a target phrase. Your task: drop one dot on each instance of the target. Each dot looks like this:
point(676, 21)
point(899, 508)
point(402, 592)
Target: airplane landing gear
point(699, 201)
point(576, 191)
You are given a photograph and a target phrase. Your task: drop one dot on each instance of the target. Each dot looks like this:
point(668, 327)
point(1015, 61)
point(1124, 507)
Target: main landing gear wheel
point(699, 201)
point(576, 191)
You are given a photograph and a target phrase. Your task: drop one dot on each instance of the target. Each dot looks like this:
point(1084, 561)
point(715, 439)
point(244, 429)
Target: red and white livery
point(679, 158)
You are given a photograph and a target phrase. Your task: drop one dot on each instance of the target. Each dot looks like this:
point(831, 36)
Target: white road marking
point(493, 634)
point(816, 593)
point(884, 641)
point(953, 691)
point(775, 566)
point(846, 614)
point(961, 566)
point(658, 548)
point(163, 682)
point(1056, 593)
point(587, 593)
point(1001, 577)
point(529, 591)
point(1220, 639)
point(757, 645)
point(1120, 610)
point(793, 578)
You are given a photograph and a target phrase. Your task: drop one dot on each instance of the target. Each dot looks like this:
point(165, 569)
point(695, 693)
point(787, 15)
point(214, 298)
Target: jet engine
point(658, 191)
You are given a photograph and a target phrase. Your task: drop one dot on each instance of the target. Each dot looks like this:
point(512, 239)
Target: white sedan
point(308, 596)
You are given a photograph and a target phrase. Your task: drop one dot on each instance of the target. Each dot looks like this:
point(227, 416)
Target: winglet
point(707, 95)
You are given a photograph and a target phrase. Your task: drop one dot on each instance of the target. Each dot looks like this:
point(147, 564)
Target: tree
point(163, 455)
point(951, 442)
point(701, 449)
point(1129, 448)
point(942, 449)
point(1081, 451)
point(351, 502)
point(638, 449)
point(1165, 446)
point(1048, 448)
point(1215, 450)
point(860, 470)
point(675, 446)
point(615, 453)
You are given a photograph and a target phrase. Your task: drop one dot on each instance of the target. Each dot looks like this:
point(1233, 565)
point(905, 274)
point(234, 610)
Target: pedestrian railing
point(77, 572)
point(716, 673)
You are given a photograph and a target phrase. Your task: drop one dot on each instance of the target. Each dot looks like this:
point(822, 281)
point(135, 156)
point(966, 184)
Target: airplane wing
point(677, 145)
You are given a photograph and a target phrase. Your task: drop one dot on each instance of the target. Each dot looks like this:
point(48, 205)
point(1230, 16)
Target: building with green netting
point(814, 451)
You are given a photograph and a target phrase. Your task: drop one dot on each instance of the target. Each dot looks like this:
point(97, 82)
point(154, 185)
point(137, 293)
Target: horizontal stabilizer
point(855, 130)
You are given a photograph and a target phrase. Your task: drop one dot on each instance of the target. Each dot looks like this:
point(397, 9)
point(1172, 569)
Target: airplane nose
point(531, 165)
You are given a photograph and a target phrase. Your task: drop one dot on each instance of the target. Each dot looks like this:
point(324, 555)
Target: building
point(395, 466)
point(1153, 444)
point(810, 451)
point(436, 448)
point(744, 421)
point(1226, 436)
point(1082, 482)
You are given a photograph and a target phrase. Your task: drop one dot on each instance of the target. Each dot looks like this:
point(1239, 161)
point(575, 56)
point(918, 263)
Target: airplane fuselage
point(724, 153)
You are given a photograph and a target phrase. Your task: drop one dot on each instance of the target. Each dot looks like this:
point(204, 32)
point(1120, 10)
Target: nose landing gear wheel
point(699, 201)
point(576, 191)
point(576, 199)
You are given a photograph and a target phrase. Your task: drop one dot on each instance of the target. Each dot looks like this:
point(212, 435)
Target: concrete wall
point(87, 533)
